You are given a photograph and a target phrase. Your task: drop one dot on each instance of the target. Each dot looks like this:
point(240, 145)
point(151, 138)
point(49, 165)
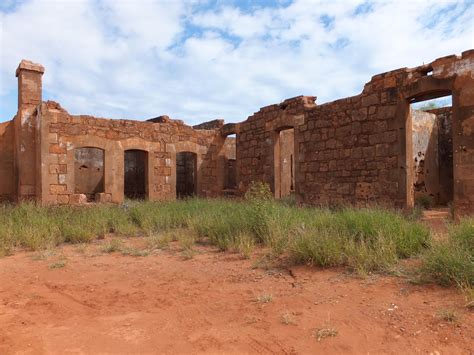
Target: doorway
point(284, 155)
point(186, 174)
point(135, 174)
point(432, 144)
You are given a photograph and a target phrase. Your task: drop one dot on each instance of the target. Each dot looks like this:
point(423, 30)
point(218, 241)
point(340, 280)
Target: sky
point(199, 60)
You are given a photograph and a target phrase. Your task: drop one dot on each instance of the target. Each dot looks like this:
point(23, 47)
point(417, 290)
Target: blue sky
point(200, 60)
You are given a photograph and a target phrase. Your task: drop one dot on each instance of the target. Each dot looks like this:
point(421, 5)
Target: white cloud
point(140, 59)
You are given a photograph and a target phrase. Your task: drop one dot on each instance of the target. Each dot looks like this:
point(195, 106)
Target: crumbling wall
point(433, 155)
point(445, 154)
point(287, 165)
point(88, 171)
point(62, 133)
point(350, 149)
point(230, 163)
point(7, 172)
point(258, 136)
point(425, 155)
point(359, 150)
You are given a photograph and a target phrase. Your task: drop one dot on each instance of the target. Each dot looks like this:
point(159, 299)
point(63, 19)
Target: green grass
point(451, 261)
point(364, 240)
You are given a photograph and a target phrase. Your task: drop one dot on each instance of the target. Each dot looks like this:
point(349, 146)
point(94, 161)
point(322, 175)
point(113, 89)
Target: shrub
point(423, 201)
point(258, 190)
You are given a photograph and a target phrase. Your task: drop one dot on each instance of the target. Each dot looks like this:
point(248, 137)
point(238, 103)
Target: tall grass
point(451, 261)
point(362, 239)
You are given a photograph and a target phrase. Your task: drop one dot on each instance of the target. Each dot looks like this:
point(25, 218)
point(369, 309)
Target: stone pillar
point(26, 136)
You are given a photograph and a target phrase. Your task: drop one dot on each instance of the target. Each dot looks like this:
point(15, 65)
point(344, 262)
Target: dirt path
point(162, 303)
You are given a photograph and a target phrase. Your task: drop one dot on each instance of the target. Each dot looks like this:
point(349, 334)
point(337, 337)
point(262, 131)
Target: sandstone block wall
point(7, 172)
point(433, 155)
point(62, 134)
point(359, 149)
point(355, 150)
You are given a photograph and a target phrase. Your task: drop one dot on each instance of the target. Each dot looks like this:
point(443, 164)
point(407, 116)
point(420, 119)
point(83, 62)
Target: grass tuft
point(448, 315)
point(322, 333)
point(265, 298)
point(451, 262)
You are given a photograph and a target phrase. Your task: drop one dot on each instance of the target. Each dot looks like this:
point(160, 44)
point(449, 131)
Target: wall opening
point(88, 172)
point(186, 174)
point(135, 174)
point(284, 154)
point(230, 163)
point(432, 144)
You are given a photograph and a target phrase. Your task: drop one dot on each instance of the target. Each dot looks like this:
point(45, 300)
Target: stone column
point(26, 136)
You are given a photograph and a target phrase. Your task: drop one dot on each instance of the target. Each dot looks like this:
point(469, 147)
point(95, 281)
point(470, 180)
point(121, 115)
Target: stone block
point(103, 197)
point(57, 189)
point(77, 199)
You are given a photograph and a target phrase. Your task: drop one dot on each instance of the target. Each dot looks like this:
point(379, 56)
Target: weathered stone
point(77, 199)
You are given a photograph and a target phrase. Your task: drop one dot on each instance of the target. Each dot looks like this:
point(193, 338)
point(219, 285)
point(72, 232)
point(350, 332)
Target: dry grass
point(288, 318)
point(322, 333)
point(264, 298)
point(448, 315)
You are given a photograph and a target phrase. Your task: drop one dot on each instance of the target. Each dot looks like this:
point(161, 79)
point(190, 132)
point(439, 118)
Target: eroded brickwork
point(355, 150)
point(63, 133)
point(7, 172)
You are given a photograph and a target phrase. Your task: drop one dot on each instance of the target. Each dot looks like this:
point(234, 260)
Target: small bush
point(113, 246)
point(423, 201)
point(258, 191)
point(57, 265)
point(265, 298)
point(448, 315)
point(244, 244)
point(322, 333)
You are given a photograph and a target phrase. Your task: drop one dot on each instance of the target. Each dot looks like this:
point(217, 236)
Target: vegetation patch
point(322, 333)
point(364, 240)
point(451, 261)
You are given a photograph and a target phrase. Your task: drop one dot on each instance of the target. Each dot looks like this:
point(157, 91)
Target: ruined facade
point(362, 149)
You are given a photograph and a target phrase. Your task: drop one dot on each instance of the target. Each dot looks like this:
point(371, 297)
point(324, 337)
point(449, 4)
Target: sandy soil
point(214, 303)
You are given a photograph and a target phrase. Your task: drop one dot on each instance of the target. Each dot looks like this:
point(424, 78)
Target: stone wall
point(359, 150)
point(433, 155)
point(7, 172)
point(356, 150)
point(445, 153)
point(62, 133)
point(351, 149)
point(425, 156)
point(257, 137)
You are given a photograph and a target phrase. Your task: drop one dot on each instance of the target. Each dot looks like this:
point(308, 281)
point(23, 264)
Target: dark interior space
point(186, 166)
point(231, 174)
point(89, 172)
point(135, 174)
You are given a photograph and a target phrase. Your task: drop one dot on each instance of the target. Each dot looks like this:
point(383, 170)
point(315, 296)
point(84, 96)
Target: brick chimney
point(29, 84)
point(25, 125)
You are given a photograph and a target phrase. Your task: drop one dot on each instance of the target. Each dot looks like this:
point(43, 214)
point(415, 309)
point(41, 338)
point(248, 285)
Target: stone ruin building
point(369, 148)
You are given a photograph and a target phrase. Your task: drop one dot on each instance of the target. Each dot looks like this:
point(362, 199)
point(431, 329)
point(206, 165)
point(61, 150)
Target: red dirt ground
point(162, 303)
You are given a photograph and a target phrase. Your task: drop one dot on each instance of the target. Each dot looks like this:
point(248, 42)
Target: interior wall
point(230, 163)
point(445, 153)
point(425, 156)
point(7, 172)
point(287, 166)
